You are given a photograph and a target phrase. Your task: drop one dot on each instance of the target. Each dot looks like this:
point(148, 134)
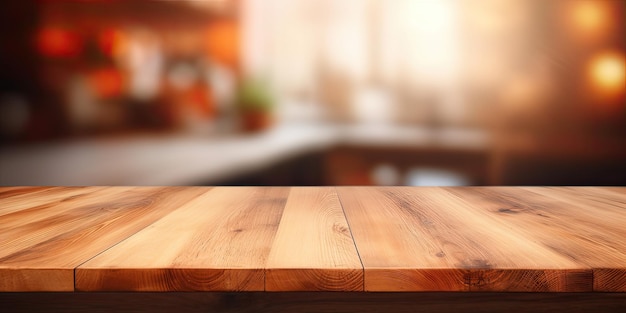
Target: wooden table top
point(536, 239)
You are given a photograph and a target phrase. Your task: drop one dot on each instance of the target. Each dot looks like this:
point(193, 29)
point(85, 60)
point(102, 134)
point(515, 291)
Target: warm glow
point(607, 72)
point(111, 42)
point(589, 16)
point(106, 82)
point(222, 42)
point(58, 43)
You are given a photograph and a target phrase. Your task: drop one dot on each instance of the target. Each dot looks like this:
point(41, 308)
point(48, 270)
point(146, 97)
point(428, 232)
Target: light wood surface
point(588, 234)
point(218, 242)
point(313, 249)
point(488, 239)
point(17, 199)
point(424, 239)
point(42, 245)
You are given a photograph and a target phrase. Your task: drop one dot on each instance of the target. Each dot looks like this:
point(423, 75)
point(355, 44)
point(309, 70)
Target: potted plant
point(255, 105)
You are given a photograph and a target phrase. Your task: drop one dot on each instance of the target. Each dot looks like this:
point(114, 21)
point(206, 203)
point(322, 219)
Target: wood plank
point(603, 223)
point(422, 239)
point(313, 249)
point(568, 224)
point(42, 245)
point(31, 216)
point(590, 206)
point(218, 242)
point(299, 239)
point(620, 190)
point(6, 192)
point(615, 194)
point(30, 227)
point(40, 197)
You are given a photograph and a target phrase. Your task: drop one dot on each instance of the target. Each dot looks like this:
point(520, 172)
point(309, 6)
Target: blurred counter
point(180, 159)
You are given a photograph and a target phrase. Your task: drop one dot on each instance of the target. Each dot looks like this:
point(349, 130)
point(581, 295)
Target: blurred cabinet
point(401, 166)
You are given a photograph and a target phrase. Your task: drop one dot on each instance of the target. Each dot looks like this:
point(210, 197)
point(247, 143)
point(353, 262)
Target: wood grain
point(528, 239)
point(620, 190)
point(600, 229)
point(6, 192)
point(218, 242)
point(15, 200)
point(583, 232)
point(37, 217)
point(41, 245)
point(422, 239)
point(313, 249)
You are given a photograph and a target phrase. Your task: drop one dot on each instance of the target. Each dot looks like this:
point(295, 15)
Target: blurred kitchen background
point(312, 92)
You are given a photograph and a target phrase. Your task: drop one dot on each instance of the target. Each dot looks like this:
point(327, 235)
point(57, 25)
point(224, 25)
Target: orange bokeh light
point(589, 17)
point(222, 42)
point(58, 43)
point(106, 82)
point(111, 42)
point(588, 14)
point(607, 72)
